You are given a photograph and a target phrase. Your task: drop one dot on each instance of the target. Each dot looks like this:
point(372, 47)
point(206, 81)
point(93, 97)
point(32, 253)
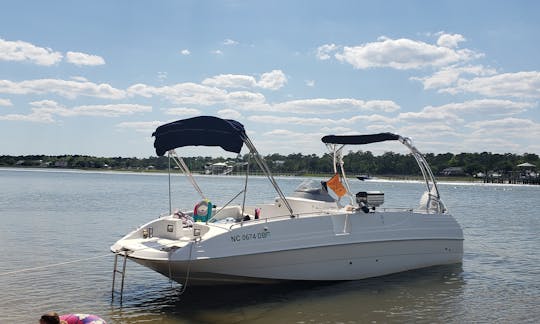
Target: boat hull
point(351, 261)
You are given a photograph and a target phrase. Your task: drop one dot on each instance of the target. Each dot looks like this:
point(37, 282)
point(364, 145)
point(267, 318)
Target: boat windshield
point(314, 190)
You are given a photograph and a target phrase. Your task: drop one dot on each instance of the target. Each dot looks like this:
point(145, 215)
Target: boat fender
point(202, 211)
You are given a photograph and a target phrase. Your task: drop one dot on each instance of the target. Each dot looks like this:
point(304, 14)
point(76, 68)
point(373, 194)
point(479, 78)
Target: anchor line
point(14, 272)
point(184, 286)
point(51, 265)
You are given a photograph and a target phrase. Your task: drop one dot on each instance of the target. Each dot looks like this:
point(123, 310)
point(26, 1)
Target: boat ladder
point(122, 273)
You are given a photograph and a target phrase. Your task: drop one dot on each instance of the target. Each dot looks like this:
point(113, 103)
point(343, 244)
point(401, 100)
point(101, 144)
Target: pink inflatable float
point(82, 319)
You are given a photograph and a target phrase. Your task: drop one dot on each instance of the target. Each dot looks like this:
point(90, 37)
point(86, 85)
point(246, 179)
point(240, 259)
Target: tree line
point(356, 162)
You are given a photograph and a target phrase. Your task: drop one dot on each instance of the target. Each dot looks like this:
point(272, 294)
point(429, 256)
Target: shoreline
point(381, 178)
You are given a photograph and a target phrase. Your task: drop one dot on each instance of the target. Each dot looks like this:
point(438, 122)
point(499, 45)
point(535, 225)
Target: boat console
point(311, 189)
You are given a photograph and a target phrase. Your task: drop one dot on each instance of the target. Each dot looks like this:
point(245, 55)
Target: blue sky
point(98, 77)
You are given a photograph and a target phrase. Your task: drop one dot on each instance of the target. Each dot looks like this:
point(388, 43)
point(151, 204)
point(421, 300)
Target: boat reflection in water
point(403, 297)
point(320, 233)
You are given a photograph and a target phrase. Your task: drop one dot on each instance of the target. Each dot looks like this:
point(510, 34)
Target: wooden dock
point(513, 178)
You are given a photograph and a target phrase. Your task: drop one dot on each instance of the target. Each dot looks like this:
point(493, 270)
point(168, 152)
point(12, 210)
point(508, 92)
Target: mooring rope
point(52, 265)
point(184, 286)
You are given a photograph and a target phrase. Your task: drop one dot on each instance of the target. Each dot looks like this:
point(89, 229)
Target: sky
point(97, 77)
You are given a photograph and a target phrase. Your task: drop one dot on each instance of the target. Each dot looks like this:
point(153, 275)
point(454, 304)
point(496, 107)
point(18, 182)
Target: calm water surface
point(52, 217)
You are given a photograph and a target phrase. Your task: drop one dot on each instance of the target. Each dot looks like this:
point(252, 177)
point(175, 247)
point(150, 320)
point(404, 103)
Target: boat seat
point(230, 211)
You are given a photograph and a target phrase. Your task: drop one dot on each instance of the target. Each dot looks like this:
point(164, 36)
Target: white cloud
point(450, 40)
point(377, 119)
point(282, 132)
point(116, 110)
point(80, 59)
point(45, 104)
point(23, 51)
point(64, 88)
point(5, 103)
point(495, 144)
point(272, 80)
point(519, 85)
point(450, 75)
point(142, 127)
point(162, 76)
point(504, 135)
point(290, 141)
point(506, 126)
point(230, 81)
point(484, 107)
point(402, 54)
point(182, 111)
point(432, 129)
point(230, 42)
point(229, 114)
point(209, 94)
point(185, 52)
point(217, 52)
point(330, 106)
point(456, 114)
point(35, 117)
point(246, 100)
point(337, 130)
point(378, 128)
point(182, 93)
point(79, 78)
point(324, 51)
point(310, 83)
point(428, 117)
point(199, 95)
point(309, 142)
point(38, 114)
point(45, 110)
point(380, 105)
point(268, 119)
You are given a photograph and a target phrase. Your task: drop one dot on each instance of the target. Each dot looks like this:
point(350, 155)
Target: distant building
point(527, 170)
point(218, 168)
point(527, 165)
point(453, 171)
point(61, 164)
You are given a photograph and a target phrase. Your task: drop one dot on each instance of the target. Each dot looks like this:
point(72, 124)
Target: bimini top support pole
point(184, 168)
point(434, 201)
point(266, 170)
point(337, 156)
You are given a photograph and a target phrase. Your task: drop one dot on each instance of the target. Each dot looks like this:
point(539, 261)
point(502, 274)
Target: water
point(49, 217)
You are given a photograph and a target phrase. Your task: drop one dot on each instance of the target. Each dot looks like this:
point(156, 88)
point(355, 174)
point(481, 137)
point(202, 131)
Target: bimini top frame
point(336, 143)
point(209, 131)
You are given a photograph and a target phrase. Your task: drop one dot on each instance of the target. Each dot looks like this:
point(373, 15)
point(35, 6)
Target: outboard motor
point(369, 200)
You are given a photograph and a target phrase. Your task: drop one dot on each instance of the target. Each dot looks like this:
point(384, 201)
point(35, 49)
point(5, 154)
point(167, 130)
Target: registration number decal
point(250, 236)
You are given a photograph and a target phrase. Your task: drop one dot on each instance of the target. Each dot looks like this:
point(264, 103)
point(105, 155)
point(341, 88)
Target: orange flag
point(335, 184)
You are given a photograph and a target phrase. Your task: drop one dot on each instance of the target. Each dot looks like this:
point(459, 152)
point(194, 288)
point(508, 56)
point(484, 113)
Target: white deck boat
point(311, 235)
